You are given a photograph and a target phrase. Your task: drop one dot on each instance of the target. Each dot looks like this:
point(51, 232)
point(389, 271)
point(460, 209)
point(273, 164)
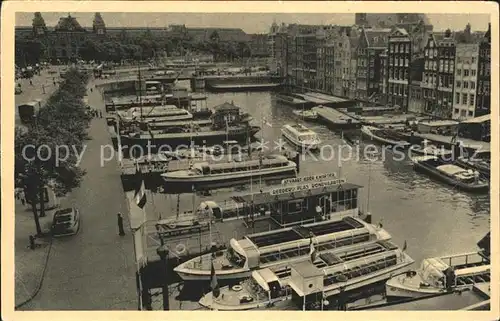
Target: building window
point(462, 113)
point(473, 72)
point(472, 85)
point(456, 111)
point(471, 113)
point(466, 84)
point(466, 72)
point(473, 59)
point(458, 84)
point(471, 99)
point(459, 72)
point(464, 99)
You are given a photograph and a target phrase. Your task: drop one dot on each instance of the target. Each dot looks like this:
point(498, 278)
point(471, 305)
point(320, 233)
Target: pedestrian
point(121, 232)
point(90, 89)
point(100, 114)
point(31, 82)
point(23, 201)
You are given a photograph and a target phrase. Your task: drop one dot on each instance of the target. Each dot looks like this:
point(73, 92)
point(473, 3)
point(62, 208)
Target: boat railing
point(463, 259)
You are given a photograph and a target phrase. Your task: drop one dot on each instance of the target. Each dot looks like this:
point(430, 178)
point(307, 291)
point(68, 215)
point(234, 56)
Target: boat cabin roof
point(451, 169)
point(303, 232)
point(264, 277)
point(226, 106)
point(299, 129)
point(307, 269)
point(227, 165)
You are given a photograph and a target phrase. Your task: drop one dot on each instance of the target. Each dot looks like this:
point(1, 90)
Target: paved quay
point(95, 269)
point(35, 92)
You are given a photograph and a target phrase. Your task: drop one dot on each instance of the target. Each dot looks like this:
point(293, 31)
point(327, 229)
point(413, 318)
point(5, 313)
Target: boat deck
point(303, 232)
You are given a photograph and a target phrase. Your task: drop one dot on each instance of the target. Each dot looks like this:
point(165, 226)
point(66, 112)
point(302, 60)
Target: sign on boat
point(311, 178)
point(298, 188)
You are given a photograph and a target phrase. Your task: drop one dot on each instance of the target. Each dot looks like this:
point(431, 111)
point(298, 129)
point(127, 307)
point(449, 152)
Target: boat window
point(360, 270)
point(295, 206)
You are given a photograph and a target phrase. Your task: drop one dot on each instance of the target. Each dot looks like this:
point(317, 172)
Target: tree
point(62, 122)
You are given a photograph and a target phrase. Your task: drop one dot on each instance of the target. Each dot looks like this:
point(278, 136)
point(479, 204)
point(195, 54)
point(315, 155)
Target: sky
point(249, 22)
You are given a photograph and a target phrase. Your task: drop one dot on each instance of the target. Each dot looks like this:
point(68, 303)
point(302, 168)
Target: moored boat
point(301, 136)
point(441, 275)
point(155, 114)
point(426, 149)
point(461, 178)
point(381, 136)
point(309, 115)
point(279, 248)
point(206, 174)
point(227, 124)
point(323, 276)
point(480, 162)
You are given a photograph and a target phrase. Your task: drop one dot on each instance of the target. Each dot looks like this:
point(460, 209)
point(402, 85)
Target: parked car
point(66, 222)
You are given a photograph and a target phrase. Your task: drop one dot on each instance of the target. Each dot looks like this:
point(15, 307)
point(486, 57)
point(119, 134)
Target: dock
point(242, 87)
point(335, 119)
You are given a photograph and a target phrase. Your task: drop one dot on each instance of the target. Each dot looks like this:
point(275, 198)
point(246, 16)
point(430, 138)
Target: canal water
point(433, 218)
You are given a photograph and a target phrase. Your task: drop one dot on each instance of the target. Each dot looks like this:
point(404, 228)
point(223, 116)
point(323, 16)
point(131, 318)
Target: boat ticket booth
point(304, 204)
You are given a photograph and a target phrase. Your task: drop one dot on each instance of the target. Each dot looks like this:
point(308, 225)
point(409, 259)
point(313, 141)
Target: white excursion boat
point(310, 115)
point(156, 113)
point(279, 248)
point(301, 136)
point(441, 275)
point(205, 173)
point(332, 272)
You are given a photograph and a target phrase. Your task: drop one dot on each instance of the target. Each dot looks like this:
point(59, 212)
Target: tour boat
point(381, 136)
point(156, 114)
point(301, 136)
point(467, 180)
point(279, 248)
point(429, 149)
point(227, 123)
point(206, 174)
point(306, 114)
point(480, 162)
point(441, 275)
point(330, 274)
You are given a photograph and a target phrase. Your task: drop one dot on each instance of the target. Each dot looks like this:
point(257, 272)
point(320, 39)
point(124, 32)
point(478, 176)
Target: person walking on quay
point(31, 82)
point(120, 225)
point(100, 114)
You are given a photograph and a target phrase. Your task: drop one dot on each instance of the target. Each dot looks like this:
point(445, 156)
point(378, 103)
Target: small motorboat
point(459, 177)
point(441, 275)
point(309, 115)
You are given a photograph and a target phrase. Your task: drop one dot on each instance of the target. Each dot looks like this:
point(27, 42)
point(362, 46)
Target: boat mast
point(140, 89)
point(369, 186)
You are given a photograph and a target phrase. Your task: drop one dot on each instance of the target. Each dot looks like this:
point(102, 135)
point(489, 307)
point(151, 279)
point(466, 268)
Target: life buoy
point(180, 249)
point(237, 288)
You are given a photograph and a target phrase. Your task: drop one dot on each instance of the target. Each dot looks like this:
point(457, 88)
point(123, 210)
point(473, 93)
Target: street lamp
point(162, 251)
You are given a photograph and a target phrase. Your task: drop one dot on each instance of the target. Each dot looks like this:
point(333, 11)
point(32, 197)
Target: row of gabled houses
point(443, 74)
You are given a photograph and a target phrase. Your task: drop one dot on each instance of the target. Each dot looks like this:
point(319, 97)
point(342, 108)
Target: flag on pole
point(140, 191)
point(312, 251)
point(405, 246)
point(213, 282)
